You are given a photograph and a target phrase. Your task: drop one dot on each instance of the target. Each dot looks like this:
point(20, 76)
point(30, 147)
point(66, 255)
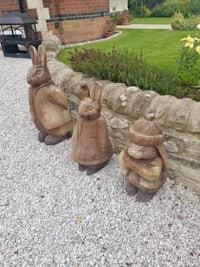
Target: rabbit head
point(89, 108)
point(38, 74)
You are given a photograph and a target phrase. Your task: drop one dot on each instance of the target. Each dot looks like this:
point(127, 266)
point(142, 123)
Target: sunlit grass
point(159, 47)
point(150, 20)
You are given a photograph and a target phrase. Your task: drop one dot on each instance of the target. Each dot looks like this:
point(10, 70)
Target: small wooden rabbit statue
point(48, 104)
point(91, 147)
point(144, 159)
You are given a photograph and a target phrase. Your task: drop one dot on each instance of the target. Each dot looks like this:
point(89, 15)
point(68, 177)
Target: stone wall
point(122, 105)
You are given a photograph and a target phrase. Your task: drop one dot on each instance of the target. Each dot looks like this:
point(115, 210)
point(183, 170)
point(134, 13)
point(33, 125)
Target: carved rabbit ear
point(33, 54)
point(41, 58)
point(84, 89)
point(96, 92)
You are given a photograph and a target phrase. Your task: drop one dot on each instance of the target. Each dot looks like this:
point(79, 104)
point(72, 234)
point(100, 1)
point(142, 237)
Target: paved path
point(145, 26)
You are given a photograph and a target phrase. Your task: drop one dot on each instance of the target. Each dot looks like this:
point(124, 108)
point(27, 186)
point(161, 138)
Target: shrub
point(169, 7)
point(115, 16)
point(193, 7)
point(188, 71)
point(124, 67)
point(142, 8)
point(196, 20)
point(190, 24)
point(178, 22)
point(145, 11)
point(166, 9)
point(119, 16)
point(110, 27)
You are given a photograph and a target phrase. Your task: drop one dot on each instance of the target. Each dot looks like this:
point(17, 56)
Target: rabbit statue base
point(91, 169)
point(52, 139)
point(48, 104)
point(144, 159)
point(91, 147)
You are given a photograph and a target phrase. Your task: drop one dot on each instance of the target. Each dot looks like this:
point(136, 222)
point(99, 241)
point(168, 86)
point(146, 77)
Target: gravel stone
point(53, 215)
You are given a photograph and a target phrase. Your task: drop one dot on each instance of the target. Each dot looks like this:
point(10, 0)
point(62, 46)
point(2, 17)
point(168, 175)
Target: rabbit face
point(37, 75)
point(88, 109)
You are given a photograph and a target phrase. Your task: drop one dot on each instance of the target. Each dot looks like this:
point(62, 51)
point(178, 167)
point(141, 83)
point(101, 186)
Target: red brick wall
point(77, 30)
point(9, 5)
point(70, 30)
point(13, 5)
point(80, 6)
point(53, 6)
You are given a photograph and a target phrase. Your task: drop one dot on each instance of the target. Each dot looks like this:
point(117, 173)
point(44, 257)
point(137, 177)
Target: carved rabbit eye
point(38, 70)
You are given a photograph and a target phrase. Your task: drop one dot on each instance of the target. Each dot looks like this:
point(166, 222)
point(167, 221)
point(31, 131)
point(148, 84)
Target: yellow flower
point(188, 39)
point(190, 45)
point(198, 49)
point(197, 39)
point(78, 219)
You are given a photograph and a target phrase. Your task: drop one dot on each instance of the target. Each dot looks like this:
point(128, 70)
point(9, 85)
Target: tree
point(136, 6)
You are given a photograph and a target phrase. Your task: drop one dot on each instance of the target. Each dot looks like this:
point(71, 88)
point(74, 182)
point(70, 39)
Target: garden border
point(122, 105)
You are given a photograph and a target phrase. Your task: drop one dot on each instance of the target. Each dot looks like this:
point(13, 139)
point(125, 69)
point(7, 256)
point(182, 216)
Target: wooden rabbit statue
point(91, 147)
point(48, 104)
point(144, 159)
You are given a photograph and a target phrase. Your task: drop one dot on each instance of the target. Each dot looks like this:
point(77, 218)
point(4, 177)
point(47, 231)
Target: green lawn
point(159, 47)
point(150, 20)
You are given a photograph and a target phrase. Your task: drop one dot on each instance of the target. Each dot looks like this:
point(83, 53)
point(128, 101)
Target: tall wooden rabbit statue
point(91, 147)
point(48, 104)
point(144, 159)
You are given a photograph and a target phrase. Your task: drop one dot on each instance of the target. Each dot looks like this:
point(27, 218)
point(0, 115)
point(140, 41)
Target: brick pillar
point(43, 15)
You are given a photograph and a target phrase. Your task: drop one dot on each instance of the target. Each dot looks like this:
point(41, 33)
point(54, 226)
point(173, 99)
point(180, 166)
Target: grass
point(159, 47)
point(150, 20)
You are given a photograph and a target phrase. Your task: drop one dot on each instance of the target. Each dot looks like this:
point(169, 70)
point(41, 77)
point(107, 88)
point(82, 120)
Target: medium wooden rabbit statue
point(48, 104)
point(144, 159)
point(91, 147)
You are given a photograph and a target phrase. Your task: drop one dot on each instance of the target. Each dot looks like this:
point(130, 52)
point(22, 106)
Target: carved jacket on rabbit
point(146, 174)
point(48, 104)
point(90, 141)
point(144, 159)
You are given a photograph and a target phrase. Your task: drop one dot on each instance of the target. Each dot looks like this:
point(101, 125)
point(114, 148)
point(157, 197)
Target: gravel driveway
point(53, 215)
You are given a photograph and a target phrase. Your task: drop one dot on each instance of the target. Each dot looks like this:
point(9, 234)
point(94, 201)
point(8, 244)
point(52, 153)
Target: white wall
point(118, 4)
